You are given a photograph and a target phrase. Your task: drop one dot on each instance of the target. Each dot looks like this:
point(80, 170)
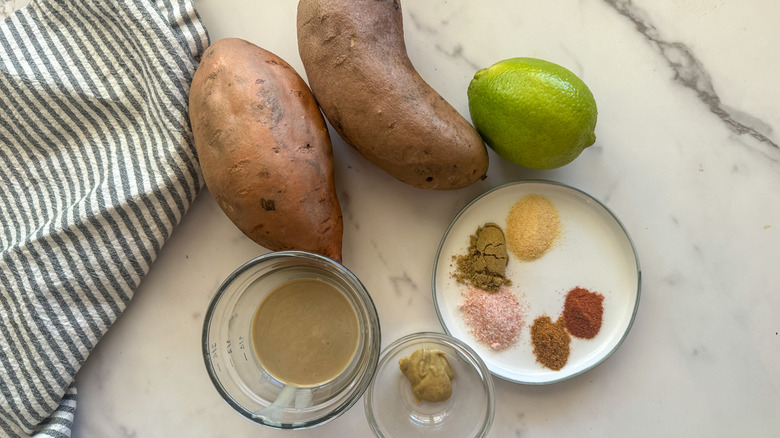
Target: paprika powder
point(583, 311)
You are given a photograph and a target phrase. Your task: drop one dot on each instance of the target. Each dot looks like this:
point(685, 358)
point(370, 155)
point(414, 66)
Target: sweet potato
point(356, 63)
point(264, 149)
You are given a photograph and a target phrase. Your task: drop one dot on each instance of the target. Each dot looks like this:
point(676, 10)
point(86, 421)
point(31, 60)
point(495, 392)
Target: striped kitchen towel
point(97, 167)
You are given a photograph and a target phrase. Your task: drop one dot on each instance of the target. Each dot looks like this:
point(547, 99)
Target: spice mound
point(583, 311)
point(495, 319)
point(484, 266)
point(551, 342)
point(532, 227)
point(430, 374)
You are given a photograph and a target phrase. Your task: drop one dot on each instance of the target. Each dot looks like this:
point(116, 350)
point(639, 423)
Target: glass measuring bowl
point(239, 376)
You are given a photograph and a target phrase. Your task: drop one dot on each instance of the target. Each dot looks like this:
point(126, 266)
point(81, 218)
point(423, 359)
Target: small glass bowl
point(392, 410)
point(239, 376)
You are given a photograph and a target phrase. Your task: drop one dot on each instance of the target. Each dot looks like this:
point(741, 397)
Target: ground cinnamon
point(551, 342)
point(583, 311)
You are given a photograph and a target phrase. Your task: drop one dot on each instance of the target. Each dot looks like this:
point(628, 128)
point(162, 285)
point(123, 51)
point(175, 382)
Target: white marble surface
point(687, 156)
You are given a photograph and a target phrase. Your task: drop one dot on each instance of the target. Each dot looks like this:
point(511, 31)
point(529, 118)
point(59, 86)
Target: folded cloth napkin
point(97, 167)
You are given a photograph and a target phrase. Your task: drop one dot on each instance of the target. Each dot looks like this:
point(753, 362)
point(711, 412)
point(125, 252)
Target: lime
point(533, 112)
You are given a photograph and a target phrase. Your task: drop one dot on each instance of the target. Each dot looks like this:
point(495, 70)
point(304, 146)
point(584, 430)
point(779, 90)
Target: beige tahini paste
point(305, 332)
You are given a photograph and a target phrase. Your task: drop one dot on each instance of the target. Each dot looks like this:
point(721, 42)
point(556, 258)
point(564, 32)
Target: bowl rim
point(632, 319)
point(451, 341)
point(374, 347)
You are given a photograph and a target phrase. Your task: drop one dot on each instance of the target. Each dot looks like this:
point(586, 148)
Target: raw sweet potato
point(355, 59)
point(264, 149)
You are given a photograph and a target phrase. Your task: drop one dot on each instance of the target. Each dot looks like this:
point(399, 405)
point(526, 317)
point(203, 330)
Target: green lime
point(533, 112)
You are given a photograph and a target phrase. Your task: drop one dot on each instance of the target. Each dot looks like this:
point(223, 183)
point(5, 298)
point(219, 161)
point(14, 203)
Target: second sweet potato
point(264, 149)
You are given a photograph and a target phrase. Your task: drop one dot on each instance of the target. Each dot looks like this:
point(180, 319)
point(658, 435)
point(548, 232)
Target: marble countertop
point(687, 156)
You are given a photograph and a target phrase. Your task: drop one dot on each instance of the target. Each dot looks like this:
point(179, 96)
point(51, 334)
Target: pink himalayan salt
point(495, 319)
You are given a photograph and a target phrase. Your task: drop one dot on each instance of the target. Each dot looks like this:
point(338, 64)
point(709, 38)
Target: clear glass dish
point(391, 408)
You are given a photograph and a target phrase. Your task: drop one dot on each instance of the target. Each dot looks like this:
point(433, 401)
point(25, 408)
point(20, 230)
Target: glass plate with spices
point(540, 278)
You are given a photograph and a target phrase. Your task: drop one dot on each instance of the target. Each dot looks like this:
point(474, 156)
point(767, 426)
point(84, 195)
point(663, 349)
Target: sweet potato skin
point(264, 149)
point(356, 63)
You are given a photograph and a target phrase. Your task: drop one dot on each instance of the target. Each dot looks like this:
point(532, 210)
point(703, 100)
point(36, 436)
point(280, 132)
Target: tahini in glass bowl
point(392, 410)
point(239, 375)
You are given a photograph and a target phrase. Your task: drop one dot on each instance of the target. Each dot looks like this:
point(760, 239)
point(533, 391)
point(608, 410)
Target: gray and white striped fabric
point(97, 167)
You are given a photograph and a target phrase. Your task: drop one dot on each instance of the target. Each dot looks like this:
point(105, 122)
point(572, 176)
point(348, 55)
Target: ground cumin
point(484, 264)
point(532, 227)
point(551, 342)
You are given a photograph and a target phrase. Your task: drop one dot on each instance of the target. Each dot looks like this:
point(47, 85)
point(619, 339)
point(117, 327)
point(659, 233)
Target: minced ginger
point(430, 374)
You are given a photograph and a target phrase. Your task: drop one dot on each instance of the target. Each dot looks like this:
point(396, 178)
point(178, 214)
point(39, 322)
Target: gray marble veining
point(692, 74)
